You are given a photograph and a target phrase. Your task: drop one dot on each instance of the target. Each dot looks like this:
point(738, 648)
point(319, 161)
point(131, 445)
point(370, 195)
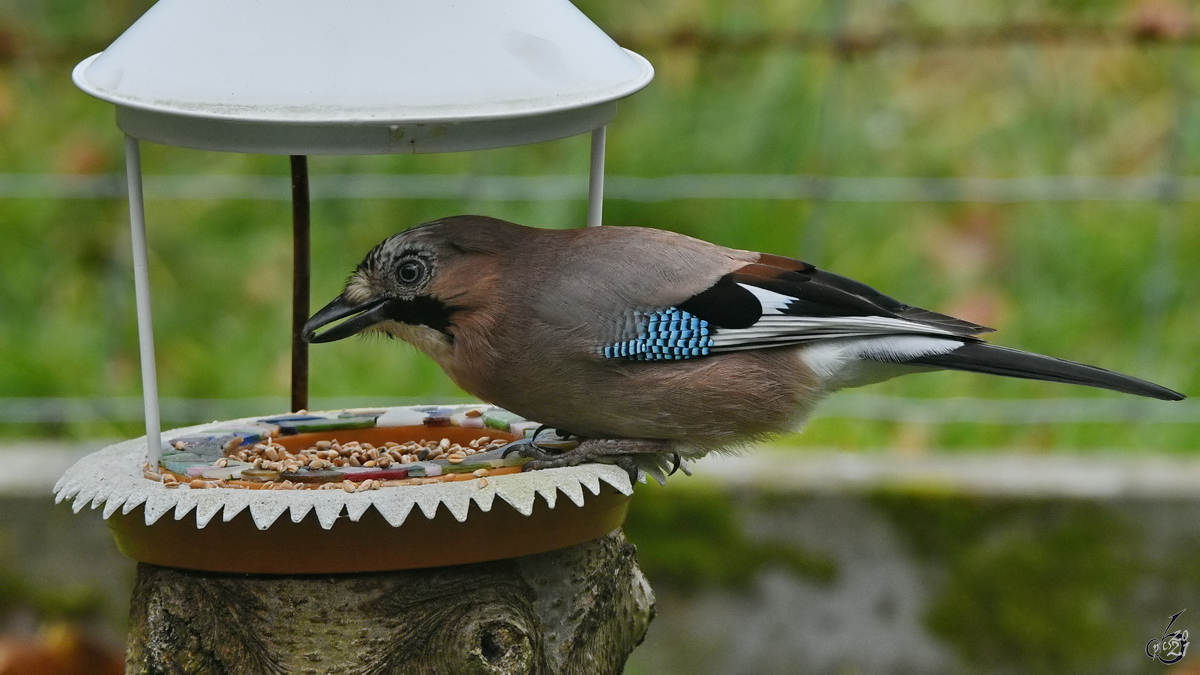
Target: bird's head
point(413, 283)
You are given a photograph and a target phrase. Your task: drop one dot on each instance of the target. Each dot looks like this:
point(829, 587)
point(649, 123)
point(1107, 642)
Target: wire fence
point(616, 187)
point(846, 405)
point(1147, 28)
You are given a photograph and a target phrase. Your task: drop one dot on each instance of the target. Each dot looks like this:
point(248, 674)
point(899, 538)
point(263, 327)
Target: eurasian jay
point(644, 342)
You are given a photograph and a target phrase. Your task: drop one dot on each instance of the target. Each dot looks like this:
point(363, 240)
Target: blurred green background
point(1030, 165)
point(1027, 165)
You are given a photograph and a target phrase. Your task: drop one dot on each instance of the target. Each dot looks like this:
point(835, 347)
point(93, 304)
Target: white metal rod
point(596, 178)
point(141, 289)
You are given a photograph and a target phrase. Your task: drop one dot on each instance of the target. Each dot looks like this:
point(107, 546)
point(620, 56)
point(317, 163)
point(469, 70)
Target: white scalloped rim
point(113, 477)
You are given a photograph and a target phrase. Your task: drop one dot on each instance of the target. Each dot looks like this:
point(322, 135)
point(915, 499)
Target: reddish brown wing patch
point(763, 271)
point(778, 261)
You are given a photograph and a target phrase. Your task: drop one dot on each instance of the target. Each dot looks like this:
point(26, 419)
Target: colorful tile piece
point(401, 417)
point(231, 471)
point(523, 428)
point(423, 469)
point(314, 475)
point(361, 473)
point(325, 424)
point(178, 462)
point(500, 419)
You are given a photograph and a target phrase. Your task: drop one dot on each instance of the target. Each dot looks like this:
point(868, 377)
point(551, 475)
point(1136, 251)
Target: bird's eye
point(411, 271)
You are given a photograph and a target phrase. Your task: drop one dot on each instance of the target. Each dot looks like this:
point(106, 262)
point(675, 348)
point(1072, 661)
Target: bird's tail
point(981, 357)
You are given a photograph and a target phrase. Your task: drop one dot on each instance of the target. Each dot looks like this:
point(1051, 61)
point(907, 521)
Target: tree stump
point(579, 610)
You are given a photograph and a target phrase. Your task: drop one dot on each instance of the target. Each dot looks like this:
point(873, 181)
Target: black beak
point(363, 316)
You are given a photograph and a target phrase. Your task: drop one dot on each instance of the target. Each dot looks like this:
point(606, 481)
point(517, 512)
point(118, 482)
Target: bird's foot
point(632, 454)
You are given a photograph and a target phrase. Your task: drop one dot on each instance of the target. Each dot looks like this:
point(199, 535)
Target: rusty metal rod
point(596, 178)
point(301, 260)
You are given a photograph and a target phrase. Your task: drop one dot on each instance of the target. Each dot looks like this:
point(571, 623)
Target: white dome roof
point(361, 76)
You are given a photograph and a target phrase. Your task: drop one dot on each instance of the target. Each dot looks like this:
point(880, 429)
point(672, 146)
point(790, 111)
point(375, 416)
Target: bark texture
point(578, 611)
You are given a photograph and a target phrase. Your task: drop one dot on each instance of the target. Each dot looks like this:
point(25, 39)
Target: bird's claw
point(676, 462)
point(515, 446)
point(540, 452)
point(626, 462)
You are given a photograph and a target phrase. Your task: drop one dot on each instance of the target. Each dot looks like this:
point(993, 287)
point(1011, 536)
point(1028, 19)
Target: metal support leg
point(141, 288)
point(596, 178)
point(301, 260)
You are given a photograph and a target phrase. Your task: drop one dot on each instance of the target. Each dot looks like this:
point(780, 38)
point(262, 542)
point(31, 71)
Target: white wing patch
point(851, 362)
point(777, 328)
point(772, 302)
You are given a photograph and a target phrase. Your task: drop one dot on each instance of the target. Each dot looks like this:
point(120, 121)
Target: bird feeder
point(311, 77)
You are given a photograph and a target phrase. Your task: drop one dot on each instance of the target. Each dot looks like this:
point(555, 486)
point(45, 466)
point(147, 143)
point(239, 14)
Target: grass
point(1066, 278)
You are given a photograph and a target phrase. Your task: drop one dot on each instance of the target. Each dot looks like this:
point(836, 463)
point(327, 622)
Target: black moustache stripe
point(422, 310)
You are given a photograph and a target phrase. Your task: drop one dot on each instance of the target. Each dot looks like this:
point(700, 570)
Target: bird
point(643, 344)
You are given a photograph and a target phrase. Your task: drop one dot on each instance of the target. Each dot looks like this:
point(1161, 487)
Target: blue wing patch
point(666, 335)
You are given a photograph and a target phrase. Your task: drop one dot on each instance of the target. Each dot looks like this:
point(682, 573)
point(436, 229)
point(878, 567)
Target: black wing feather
point(725, 305)
point(815, 293)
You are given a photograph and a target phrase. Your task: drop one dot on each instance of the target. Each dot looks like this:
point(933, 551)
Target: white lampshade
point(361, 76)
